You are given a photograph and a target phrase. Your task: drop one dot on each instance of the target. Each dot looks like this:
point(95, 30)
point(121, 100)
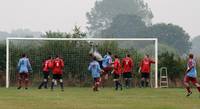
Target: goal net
point(75, 53)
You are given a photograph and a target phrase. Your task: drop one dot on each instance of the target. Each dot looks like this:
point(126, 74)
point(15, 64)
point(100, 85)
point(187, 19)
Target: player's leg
point(128, 79)
point(46, 77)
point(97, 82)
point(94, 82)
point(60, 77)
point(105, 75)
point(125, 79)
point(26, 80)
point(194, 81)
point(142, 79)
point(19, 80)
point(43, 82)
point(147, 80)
point(117, 82)
point(187, 86)
point(53, 81)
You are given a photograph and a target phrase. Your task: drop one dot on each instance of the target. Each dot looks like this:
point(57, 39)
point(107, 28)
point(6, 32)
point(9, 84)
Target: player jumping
point(127, 64)
point(191, 75)
point(58, 65)
point(95, 70)
point(117, 72)
point(107, 66)
point(47, 66)
point(24, 68)
point(145, 68)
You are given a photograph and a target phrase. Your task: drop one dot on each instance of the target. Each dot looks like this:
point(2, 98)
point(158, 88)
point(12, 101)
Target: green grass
point(84, 98)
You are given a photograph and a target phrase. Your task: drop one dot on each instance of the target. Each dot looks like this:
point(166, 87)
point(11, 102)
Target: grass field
point(84, 98)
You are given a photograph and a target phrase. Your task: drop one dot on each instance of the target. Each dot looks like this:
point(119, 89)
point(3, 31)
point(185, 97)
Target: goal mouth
point(69, 48)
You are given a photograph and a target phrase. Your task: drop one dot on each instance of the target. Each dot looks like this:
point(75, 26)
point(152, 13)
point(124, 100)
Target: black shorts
point(57, 76)
point(116, 76)
point(23, 76)
point(145, 75)
point(100, 63)
point(96, 79)
point(45, 74)
point(127, 75)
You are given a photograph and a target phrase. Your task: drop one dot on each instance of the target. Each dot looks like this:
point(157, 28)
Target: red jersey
point(145, 65)
point(127, 64)
point(58, 65)
point(117, 67)
point(47, 65)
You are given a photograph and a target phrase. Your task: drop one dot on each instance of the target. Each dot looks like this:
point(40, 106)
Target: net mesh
point(76, 57)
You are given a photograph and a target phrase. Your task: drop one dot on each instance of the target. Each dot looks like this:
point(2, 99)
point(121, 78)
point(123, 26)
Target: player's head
point(23, 55)
point(57, 56)
point(127, 55)
point(109, 53)
point(146, 56)
point(191, 56)
point(49, 57)
point(94, 58)
point(116, 56)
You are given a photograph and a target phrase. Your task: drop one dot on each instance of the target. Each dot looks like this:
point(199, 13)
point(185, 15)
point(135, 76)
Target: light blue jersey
point(95, 69)
point(24, 65)
point(193, 72)
point(107, 60)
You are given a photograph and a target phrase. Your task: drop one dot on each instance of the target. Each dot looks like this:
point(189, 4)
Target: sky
point(62, 15)
point(185, 13)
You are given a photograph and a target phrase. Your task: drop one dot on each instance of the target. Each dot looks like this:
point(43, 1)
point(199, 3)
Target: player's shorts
point(100, 63)
point(145, 75)
point(57, 76)
point(107, 70)
point(45, 74)
point(127, 75)
point(96, 80)
point(116, 76)
point(188, 79)
point(23, 76)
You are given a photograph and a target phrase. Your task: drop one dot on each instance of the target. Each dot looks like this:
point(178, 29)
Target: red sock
point(188, 89)
point(198, 89)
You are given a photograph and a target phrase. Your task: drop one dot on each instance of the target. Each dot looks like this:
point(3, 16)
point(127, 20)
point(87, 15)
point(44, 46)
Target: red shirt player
point(117, 72)
point(127, 64)
point(145, 68)
point(47, 66)
point(58, 65)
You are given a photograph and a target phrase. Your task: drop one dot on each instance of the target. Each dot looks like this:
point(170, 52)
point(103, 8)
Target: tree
point(171, 35)
point(175, 65)
point(77, 33)
point(124, 26)
point(101, 16)
point(195, 46)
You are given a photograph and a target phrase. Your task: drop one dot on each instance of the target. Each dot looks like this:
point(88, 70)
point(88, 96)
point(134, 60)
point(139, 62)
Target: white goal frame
point(83, 39)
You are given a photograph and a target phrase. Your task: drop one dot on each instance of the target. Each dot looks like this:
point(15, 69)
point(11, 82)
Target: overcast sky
point(62, 15)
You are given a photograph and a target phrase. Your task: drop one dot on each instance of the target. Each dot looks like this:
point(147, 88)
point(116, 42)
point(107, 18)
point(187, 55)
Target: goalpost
point(155, 40)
